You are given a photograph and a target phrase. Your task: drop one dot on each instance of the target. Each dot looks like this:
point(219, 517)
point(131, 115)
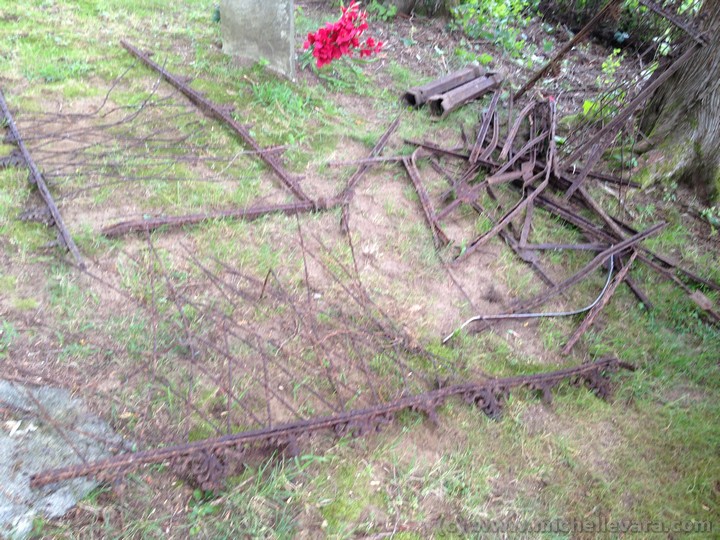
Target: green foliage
point(610, 67)
point(712, 216)
point(468, 54)
point(8, 334)
point(498, 21)
point(380, 11)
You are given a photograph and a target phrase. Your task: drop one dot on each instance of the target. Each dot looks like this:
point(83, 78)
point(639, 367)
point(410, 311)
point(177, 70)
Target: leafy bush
point(498, 21)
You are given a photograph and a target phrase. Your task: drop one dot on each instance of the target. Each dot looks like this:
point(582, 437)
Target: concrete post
point(260, 30)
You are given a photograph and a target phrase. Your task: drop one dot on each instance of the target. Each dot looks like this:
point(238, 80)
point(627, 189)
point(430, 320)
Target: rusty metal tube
point(418, 96)
point(442, 104)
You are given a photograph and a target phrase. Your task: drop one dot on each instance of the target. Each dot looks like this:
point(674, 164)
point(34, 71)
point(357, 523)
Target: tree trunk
point(683, 117)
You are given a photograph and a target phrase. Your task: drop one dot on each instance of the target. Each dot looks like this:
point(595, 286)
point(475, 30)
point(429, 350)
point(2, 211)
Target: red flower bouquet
point(342, 37)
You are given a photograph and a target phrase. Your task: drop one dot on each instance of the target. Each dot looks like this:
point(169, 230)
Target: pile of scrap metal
point(531, 165)
point(528, 159)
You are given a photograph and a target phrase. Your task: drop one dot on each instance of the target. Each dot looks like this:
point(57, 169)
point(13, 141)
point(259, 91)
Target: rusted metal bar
point(526, 256)
point(577, 38)
point(418, 95)
point(532, 143)
point(610, 179)
point(571, 247)
point(219, 113)
point(504, 178)
point(482, 133)
point(515, 211)
point(559, 209)
point(658, 256)
point(439, 236)
point(494, 141)
point(589, 228)
point(366, 161)
point(485, 238)
point(639, 294)
point(247, 214)
point(487, 395)
point(599, 260)
point(527, 224)
point(456, 184)
point(37, 178)
point(349, 190)
point(592, 315)
point(465, 194)
point(444, 104)
point(593, 158)
point(513, 131)
point(440, 150)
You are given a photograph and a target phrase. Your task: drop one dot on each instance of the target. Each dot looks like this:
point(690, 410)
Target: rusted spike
point(220, 113)
point(39, 181)
point(247, 214)
point(487, 395)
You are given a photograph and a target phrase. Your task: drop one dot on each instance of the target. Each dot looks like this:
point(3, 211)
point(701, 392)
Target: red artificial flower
point(342, 37)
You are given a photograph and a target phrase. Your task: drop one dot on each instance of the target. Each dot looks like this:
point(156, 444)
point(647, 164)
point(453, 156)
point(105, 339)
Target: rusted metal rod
point(484, 127)
point(439, 236)
point(599, 259)
point(487, 395)
point(218, 113)
point(349, 190)
point(39, 181)
point(247, 214)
